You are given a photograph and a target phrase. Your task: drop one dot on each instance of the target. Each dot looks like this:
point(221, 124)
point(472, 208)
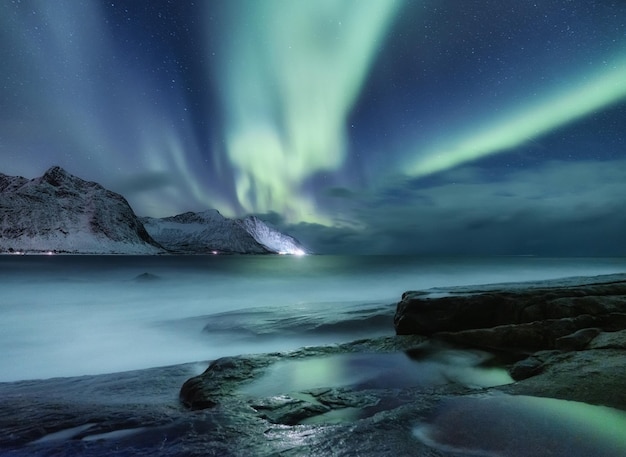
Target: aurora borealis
point(374, 126)
point(289, 93)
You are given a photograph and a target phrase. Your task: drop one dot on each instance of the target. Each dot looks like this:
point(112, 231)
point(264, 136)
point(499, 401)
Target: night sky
point(458, 127)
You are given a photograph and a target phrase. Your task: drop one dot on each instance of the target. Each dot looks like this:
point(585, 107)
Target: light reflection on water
point(378, 371)
point(522, 426)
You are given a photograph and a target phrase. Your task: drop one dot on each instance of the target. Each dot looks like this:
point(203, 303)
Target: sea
point(63, 316)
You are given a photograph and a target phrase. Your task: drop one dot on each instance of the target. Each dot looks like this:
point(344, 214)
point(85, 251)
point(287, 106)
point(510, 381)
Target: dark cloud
point(340, 192)
point(143, 182)
point(560, 209)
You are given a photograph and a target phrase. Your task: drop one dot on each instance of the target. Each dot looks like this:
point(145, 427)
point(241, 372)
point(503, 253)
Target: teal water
point(76, 315)
point(521, 426)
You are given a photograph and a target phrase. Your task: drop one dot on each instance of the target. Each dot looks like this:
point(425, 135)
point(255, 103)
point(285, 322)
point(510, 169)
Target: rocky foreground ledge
point(485, 366)
point(571, 339)
point(503, 370)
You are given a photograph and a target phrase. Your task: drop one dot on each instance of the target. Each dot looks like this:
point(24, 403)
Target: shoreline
point(388, 407)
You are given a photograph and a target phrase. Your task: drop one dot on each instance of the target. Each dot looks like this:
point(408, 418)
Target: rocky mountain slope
point(59, 212)
point(210, 232)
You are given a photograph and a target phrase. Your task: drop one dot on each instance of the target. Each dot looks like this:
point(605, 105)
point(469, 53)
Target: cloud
point(560, 208)
point(144, 182)
point(340, 192)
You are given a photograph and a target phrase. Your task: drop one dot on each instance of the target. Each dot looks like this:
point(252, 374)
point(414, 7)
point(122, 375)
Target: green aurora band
point(290, 74)
point(591, 94)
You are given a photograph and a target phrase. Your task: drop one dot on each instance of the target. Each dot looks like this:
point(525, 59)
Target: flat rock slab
point(518, 318)
point(595, 376)
point(420, 314)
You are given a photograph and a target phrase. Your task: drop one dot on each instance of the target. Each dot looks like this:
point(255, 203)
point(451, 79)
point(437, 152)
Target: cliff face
point(271, 239)
point(61, 212)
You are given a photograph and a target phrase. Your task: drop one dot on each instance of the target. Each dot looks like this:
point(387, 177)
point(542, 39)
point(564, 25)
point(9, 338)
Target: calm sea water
point(75, 315)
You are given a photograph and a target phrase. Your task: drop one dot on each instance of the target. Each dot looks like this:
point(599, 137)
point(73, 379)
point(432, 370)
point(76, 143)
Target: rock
point(377, 420)
point(220, 379)
point(609, 340)
point(284, 409)
point(573, 337)
point(591, 376)
point(226, 376)
point(146, 277)
point(530, 366)
point(526, 368)
point(578, 340)
point(531, 336)
point(516, 319)
point(419, 314)
point(560, 342)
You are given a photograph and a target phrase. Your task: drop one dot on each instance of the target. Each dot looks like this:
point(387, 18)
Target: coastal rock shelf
point(289, 388)
point(571, 339)
point(515, 370)
point(557, 310)
point(515, 344)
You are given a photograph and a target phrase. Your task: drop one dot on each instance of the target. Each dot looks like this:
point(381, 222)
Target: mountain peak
point(210, 214)
point(61, 212)
point(56, 169)
point(56, 175)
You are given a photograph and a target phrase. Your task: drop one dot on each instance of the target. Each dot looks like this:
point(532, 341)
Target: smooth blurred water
point(521, 426)
point(363, 371)
point(75, 315)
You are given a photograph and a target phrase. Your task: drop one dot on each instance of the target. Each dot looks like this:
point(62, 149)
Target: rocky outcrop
point(571, 340)
point(594, 376)
point(528, 319)
point(448, 418)
point(220, 380)
point(230, 382)
point(529, 341)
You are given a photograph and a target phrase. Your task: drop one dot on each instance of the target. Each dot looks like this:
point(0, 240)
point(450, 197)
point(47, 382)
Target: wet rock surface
point(594, 376)
point(601, 302)
point(571, 339)
point(455, 387)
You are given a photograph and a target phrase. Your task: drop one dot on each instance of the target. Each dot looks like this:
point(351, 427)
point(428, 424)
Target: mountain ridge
point(208, 232)
point(62, 213)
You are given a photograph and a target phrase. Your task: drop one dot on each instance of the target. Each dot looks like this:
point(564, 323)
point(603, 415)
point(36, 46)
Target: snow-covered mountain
point(272, 239)
point(59, 212)
point(210, 232)
point(63, 213)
